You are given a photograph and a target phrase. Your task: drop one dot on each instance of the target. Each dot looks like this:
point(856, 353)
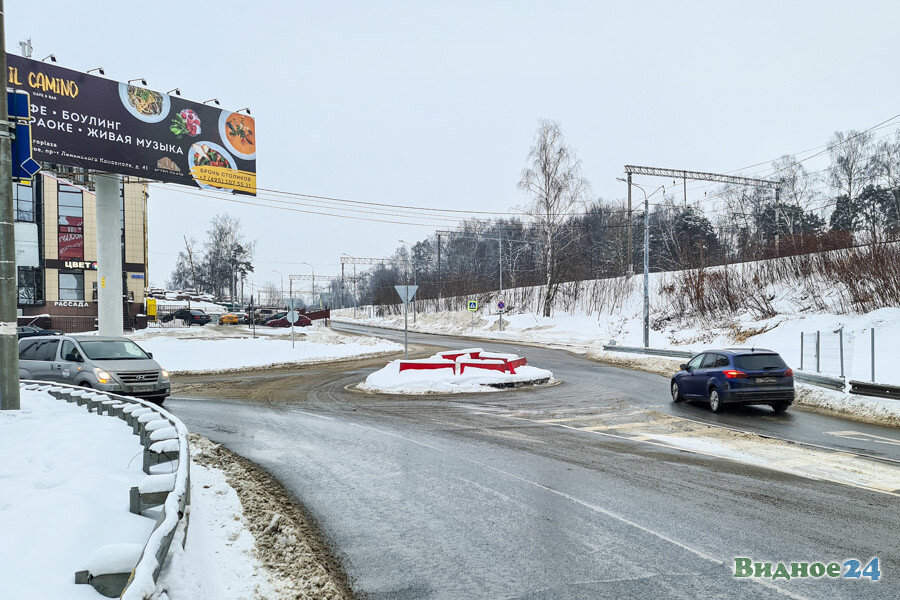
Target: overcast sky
point(435, 103)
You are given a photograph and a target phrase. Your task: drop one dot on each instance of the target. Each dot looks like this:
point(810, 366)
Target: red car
point(301, 321)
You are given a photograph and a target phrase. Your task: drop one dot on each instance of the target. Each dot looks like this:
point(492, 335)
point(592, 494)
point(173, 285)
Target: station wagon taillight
point(732, 374)
point(789, 373)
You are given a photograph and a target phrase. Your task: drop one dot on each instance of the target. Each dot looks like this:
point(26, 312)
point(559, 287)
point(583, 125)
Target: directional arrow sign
point(406, 292)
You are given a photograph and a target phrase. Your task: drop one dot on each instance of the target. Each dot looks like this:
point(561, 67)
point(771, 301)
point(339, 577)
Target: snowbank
point(442, 381)
point(209, 350)
point(61, 497)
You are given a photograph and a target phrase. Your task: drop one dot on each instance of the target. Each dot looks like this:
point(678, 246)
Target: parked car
point(24, 331)
point(110, 364)
point(735, 376)
point(228, 319)
point(302, 321)
point(191, 316)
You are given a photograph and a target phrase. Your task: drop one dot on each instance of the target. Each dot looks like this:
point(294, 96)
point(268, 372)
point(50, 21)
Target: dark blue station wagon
point(735, 376)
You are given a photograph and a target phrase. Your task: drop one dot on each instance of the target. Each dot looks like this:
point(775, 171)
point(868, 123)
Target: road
point(478, 496)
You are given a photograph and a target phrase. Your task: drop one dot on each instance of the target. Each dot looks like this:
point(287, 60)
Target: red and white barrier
point(473, 358)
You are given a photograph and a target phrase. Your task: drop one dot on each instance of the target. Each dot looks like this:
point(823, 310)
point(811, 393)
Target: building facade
point(56, 250)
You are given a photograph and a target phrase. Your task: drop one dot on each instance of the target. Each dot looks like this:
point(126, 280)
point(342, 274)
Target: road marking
point(864, 437)
point(309, 414)
point(588, 505)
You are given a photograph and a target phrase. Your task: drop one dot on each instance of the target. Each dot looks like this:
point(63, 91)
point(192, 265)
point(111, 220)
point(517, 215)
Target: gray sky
point(435, 104)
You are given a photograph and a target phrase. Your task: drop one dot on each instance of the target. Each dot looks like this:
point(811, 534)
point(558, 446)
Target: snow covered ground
point(590, 332)
point(63, 493)
point(442, 381)
point(224, 347)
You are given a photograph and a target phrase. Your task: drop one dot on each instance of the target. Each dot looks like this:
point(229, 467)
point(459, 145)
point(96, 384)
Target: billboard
point(96, 123)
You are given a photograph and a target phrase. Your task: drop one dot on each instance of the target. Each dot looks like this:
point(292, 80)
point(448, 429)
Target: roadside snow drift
point(467, 372)
point(63, 493)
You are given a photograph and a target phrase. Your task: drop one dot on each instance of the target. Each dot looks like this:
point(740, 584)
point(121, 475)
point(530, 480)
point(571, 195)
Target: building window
point(24, 202)
point(31, 286)
point(71, 285)
point(71, 223)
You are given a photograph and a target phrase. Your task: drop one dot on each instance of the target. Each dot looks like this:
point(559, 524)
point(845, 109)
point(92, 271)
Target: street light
point(282, 283)
point(313, 283)
point(646, 258)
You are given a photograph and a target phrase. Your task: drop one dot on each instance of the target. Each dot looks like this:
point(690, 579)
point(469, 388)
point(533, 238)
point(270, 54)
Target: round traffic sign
point(501, 305)
point(293, 316)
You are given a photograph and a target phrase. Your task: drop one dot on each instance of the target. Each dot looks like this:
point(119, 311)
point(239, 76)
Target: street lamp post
point(646, 256)
point(282, 283)
point(313, 284)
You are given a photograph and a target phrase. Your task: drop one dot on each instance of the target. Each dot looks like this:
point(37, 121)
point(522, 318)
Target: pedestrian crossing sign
point(473, 305)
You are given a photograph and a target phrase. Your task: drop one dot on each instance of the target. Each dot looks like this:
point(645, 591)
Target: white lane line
point(309, 414)
point(588, 505)
point(864, 437)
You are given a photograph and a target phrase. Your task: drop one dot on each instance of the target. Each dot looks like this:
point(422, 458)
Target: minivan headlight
point(164, 374)
point(102, 376)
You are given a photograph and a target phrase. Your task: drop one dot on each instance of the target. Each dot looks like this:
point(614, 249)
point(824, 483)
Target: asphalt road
point(468, 497)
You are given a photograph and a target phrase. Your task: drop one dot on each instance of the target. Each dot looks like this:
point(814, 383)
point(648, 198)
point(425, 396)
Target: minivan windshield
point(759, 362)
point(112, 350)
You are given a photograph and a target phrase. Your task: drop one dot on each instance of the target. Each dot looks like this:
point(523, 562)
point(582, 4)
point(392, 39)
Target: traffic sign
point(406, 292)
point(501, 305)
point(293, 303)
point(293, 316)
point(24, 167)
point(473, 305)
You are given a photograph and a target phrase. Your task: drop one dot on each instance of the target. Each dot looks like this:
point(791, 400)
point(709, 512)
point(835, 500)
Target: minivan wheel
point(715, 403)
point(676, 392)
point(779, 407)
point(85, 384)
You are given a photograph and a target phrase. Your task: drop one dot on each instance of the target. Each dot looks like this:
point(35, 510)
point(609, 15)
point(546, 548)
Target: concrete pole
point(500, 254)
point(292, 309)
point(109, 255)
point(405, 328)
point(9, 345)
point(629, 259)
point(439, 270)
point(646, 271)
point(355, 290)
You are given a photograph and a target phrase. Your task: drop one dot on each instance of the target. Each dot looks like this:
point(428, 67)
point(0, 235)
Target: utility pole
point(629, 258)
point(439, 270)
point(500, 251)
point(647, 271)
point(9, 344)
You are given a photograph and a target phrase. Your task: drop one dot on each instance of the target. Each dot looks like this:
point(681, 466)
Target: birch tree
point(554, 183)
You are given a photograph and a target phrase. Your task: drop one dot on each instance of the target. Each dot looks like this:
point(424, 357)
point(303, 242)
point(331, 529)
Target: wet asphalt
point(471, 497)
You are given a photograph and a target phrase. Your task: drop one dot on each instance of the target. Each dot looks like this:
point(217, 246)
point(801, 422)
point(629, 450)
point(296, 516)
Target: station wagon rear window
point(759, 362)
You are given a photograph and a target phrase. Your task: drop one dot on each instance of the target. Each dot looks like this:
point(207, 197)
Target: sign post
point(501, 305)
point(406, 293)
point(472, 305)
point(293, 315)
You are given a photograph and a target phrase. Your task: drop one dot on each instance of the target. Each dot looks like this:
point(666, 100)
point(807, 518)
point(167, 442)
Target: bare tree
point(851, 162)
point(556, 187)
point(272, 293)
point(189, 248)
point(887, 170)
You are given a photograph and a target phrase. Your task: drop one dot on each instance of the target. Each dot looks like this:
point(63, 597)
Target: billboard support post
point(9, 353)
point(109, 255)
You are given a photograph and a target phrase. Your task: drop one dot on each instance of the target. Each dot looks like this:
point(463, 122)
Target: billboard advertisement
point(103, 125)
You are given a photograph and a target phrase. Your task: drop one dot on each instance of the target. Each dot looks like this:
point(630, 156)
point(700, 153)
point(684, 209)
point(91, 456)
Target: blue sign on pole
point(24, 167)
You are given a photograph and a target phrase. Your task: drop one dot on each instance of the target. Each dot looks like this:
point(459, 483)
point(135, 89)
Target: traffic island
point(455, 372)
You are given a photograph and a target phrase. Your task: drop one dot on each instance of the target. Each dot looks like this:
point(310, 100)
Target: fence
point(833, 353)
point(164, 438)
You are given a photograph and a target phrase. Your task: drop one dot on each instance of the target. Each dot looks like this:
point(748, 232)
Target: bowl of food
point(147, 105)
point(208, 154)
point(239, 134)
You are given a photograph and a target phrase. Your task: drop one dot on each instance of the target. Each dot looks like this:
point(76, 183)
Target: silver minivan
point(111, 364)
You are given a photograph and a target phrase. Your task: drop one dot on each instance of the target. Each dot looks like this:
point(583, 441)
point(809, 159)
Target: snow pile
point(182, 351)
point(392, 380)
point(64, 493)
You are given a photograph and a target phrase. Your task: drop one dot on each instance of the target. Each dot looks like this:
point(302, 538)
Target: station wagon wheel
point(676, 392)
point(715, 403)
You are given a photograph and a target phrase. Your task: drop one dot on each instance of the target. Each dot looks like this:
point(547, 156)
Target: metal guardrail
point(141, 581)
point(655, 351)
point(825, 381)
point(880, 390)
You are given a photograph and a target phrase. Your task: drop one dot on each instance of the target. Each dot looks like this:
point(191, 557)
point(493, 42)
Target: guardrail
point(825, 381)
point(654, 351)
point(881, 390)
point(125, 570)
